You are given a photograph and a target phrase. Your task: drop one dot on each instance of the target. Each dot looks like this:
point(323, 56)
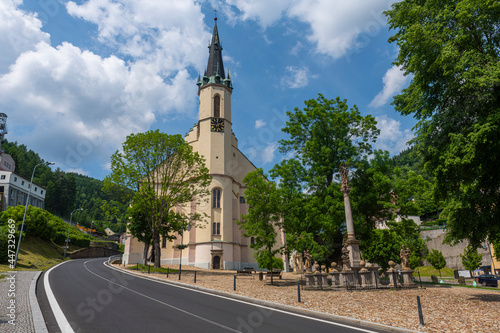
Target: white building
point(220, 244)
point(14, 191)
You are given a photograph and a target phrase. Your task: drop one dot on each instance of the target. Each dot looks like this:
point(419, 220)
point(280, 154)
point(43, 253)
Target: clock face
point(217, 125)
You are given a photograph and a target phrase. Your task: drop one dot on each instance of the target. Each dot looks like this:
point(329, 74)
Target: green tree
point(451, 49)
point(437, 260)
point(263, 220)
point(371, 194)
point(471, 259)
point(382, 247)
point(320, 136)
point(165, 174)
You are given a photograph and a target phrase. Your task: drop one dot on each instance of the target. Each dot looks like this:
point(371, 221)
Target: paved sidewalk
point(19, 310)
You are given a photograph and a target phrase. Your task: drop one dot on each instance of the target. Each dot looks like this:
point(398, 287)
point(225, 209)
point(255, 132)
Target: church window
point(216, 198)
point(217, 106)
point(242, 199)
point(252, 240)
point(216, 228)
point(164, 242)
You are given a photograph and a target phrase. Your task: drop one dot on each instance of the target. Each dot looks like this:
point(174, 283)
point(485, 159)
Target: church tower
point(218, 242)
point(214, 116)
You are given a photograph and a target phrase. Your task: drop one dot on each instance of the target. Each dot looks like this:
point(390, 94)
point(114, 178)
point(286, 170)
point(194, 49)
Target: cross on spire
point(215, 13)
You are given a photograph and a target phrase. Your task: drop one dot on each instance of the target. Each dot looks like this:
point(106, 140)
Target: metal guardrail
point(115, 257)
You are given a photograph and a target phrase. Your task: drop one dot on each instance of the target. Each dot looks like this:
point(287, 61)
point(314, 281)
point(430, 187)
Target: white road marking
point(56, 309)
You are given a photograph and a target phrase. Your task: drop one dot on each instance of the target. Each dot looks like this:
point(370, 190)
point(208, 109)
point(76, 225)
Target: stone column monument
point(352, 242)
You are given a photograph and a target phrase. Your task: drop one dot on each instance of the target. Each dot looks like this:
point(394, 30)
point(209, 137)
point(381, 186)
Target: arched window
point(216, 228)
point(217, 106)
point(216, 198)
point(252, 240)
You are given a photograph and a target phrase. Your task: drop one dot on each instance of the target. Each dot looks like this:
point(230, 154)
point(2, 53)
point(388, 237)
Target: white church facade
point(220, 243)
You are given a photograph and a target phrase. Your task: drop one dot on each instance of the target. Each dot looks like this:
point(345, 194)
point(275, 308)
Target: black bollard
point(168, 270)
point(298, 290)
point(420, 315)
point(137, 266)
point(194, 276)
point(234, 284)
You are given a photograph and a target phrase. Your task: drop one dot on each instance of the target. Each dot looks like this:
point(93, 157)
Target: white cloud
point(264, 11)
point(259, 123)
point(268, 153)
point(19, 32)
point(82, 105)
point(296, 77)
point(391, 137)
point(394, 80)
point(336, 27)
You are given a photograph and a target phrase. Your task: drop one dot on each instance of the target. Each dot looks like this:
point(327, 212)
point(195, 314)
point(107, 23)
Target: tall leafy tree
point(452, 50)
point(263, 220)
point(471, 259)
point(165, 174)
point(323, 134)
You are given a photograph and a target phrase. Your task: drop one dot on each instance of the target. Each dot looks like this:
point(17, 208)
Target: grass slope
point(429, 270)
point(36, 254)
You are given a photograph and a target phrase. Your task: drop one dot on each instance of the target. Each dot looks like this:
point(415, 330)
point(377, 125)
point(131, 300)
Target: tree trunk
point(145, 254)
point(157, 249)
point(271, 264)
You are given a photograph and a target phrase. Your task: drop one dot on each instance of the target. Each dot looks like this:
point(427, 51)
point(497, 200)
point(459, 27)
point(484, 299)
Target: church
point(219, 244)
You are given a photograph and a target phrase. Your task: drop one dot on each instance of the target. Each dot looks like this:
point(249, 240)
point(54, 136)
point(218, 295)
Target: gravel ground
point(445, 309)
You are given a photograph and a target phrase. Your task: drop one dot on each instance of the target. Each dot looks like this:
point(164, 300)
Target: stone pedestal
point(348, 278)
point(364, 276)
point(393, 274)
point(408, 277)
point(354, 253)
point(374, 270)
point(335, 278)
point(393, 277)
point(310, 281)
point(324, 280)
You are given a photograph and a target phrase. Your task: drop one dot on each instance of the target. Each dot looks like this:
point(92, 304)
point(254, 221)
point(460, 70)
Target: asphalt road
point(95, 298)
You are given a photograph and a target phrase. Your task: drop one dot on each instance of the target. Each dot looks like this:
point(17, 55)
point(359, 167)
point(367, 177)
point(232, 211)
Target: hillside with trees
point(67, 191)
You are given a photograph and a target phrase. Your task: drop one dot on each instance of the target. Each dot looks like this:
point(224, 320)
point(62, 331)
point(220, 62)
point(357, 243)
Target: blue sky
point(76, 77)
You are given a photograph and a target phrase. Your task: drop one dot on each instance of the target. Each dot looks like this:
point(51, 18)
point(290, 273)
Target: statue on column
point(344, 176)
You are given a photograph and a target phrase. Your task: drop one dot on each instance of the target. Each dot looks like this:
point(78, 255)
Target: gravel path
point(445, 309)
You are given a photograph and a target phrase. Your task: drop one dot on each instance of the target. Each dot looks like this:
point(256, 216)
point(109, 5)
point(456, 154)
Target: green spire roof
point(214, 72)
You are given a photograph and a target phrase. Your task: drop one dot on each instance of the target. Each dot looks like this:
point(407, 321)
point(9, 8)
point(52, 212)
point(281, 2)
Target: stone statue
point(404, 254)
point(344, 176)
point(345, 257)
point(308, 262)
point(298, 264)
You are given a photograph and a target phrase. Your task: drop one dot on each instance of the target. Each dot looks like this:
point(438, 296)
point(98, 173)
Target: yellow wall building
point(220, 244)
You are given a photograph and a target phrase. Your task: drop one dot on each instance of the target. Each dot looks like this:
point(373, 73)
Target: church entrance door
point(216, 262)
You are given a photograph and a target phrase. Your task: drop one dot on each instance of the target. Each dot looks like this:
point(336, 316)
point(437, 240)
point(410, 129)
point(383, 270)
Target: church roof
point(214, 72)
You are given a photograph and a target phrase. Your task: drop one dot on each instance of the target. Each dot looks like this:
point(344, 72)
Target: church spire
point(214, 72)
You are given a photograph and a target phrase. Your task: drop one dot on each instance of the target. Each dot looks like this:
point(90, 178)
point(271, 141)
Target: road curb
point(36, 313)
point(273, 305)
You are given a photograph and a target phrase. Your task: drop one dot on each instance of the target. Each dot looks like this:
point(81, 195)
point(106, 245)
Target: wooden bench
point(246, 271)
point(275, 273)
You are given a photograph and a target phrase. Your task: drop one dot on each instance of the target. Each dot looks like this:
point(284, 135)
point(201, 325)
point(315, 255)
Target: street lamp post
point(69, 226)
point(26, 208)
